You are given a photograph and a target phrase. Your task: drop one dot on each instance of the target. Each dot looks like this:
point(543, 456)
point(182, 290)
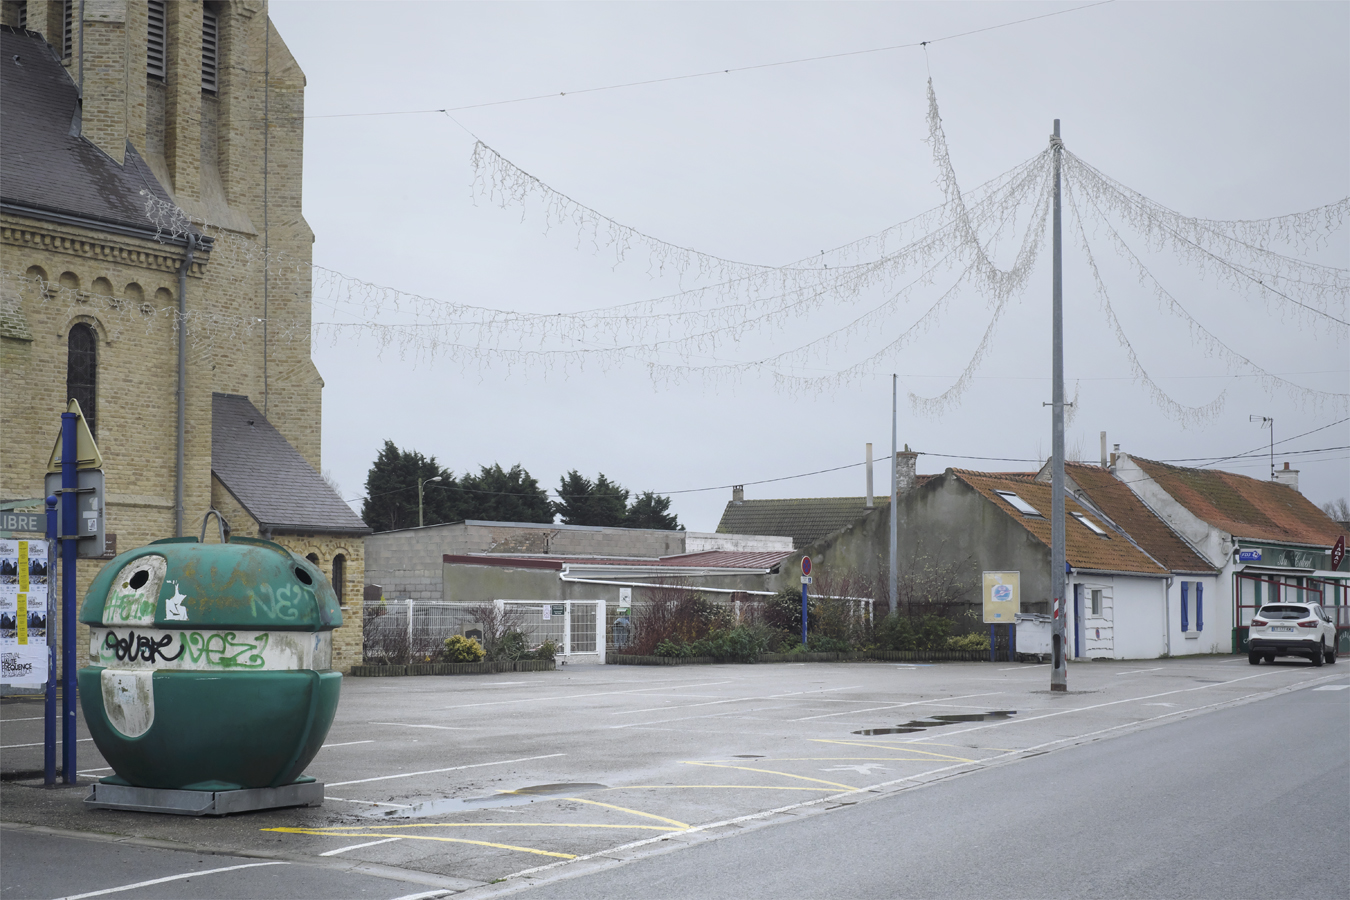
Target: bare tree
point(1338, 509)
point(497, 622)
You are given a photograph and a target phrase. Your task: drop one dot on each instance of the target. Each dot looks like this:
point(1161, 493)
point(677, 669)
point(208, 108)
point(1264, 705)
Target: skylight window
point(1019, 504)
point(1091, 525)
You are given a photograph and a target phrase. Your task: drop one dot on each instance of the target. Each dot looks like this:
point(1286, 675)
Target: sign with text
point(23, 612)
point(17, 521)
point(1249, 556)
point(1338, 553)
point(1002, 597)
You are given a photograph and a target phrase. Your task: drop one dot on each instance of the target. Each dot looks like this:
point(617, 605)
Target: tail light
point(1260, 622)
point(1311, 623)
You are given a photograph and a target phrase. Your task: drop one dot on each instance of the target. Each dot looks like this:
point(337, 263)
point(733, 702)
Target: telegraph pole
point(1059, 672)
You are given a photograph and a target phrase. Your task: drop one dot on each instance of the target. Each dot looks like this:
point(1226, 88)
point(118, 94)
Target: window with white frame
point(1019, 504)
point(1095, 601)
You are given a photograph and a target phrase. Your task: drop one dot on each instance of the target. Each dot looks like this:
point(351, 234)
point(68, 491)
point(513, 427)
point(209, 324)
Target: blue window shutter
point(1199, 606)
point(1185, 600)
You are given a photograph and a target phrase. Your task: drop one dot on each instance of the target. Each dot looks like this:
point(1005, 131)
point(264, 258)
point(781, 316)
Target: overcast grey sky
point(1224, 111)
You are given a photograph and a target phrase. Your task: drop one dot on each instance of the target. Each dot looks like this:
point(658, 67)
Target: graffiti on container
point(280, 603)
point(212, 649)
point(136, 647)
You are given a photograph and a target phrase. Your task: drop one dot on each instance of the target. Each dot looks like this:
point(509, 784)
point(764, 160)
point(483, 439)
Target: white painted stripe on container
point(168, 878)
point(358, 846)
point(500, 762)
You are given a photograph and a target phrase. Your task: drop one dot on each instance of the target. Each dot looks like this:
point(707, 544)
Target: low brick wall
point(479, 668)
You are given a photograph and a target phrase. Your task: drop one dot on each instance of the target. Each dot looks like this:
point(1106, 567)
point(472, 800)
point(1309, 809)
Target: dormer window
point(154, 41)
point(1091, 525)
point(1019, 504)
point(210, 49)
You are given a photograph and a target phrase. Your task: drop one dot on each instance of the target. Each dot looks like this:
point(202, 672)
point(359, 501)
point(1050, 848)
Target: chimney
point(869, 476)
point(905, 462)
point(1287, 476)
point(1104, 461)
point(738, 494)
point(1115, 451)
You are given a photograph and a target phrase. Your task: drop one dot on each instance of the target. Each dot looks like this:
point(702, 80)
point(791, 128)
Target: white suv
point(1292, 629)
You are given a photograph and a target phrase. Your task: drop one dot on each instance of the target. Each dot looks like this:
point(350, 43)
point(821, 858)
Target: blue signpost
point(69, 536)
point(806, 580)
point(49, 706)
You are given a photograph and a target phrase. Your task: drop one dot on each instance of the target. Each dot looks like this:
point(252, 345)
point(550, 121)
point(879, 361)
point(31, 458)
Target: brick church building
point(150, 162)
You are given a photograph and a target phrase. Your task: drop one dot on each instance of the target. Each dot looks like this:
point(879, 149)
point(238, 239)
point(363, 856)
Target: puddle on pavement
point(939, 721)
point(518, 797)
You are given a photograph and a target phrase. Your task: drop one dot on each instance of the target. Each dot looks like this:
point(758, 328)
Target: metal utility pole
point(895, 571)
point(420, 482)
point(1059, 672)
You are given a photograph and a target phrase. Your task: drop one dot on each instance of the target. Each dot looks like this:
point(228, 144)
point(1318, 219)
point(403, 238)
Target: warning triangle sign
point(86, 451)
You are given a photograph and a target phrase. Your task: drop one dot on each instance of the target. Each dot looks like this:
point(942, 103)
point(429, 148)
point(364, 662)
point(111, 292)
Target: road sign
point(16, 521)
point(1338, 553)
point(806, 565)
point(86, 451)
point(89, 501)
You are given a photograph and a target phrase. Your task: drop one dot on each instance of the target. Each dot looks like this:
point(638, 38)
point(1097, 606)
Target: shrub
point(901, 633)
point(459, 649)
point(546, 651)
point(972, 641)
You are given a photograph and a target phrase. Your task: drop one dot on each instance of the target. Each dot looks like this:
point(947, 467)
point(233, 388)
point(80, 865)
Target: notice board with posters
point(23, 611)
point(1002, 597)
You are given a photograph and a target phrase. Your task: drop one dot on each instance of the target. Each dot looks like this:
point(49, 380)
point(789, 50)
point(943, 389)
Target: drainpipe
point(182, 383)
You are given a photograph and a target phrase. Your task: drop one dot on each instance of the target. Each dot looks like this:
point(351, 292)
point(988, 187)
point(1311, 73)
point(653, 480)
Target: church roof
point(269, 477)
point(47, 170)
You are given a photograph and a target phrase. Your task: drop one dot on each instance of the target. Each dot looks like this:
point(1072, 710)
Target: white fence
point(417, 629)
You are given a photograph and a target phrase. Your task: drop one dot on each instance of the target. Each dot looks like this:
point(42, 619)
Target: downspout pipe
point(182, 383)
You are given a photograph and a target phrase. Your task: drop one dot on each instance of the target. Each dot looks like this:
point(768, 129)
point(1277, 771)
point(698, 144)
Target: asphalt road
point(1251, 801)
point(839, 778)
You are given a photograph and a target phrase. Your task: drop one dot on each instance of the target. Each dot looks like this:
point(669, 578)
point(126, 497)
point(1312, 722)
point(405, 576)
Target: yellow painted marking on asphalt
point(736, 787)
point(632, 811)
point(900, 749)
point(770, 772)
point(424, 837)
point(342, 829)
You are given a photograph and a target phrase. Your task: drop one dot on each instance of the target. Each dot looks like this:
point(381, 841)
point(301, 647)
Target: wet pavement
point(469, 780)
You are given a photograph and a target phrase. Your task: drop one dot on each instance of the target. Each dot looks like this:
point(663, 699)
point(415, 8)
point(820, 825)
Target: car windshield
point(1285, 612)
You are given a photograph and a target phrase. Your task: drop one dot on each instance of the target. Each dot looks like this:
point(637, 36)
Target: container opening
point(139, 579)
point(303, 576)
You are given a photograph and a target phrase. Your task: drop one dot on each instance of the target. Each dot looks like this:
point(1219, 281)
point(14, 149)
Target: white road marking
point(500, 762)
point(91, 771)
point(369, 802)
point(346, 743)
point(40, 743)
point(853, 712)
point(29, 719)
point(555, 698)
point(168, 878)
point(358, 846)
point(863, 769)
point(410, 725)
point(1332, 687)
point(1137, 671)
point(426, 895)
point(627, 712)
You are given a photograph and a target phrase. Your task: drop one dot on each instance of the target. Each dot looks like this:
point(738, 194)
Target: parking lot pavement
point(483, 778)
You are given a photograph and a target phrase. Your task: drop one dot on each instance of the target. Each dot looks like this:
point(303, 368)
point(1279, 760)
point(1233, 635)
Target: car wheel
point(1331, 654)
point(1320, 654)
point(1254, 658)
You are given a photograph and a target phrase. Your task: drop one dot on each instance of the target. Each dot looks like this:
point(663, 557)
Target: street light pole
point(420, 482)
point(1059, 672)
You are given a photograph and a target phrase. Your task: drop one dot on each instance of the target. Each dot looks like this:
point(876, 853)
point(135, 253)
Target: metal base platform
point(202, 803)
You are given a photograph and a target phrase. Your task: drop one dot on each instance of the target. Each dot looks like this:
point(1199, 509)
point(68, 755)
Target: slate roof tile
point(269, 477)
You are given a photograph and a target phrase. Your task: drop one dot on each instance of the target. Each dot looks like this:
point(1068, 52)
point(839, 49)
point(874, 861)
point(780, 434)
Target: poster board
point(1002, 597)
point(24, 567)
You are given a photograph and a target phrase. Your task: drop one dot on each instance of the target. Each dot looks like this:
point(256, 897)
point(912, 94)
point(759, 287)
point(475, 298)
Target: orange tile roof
point(1245, 507)
point(1083, 548)
point(1124, 507)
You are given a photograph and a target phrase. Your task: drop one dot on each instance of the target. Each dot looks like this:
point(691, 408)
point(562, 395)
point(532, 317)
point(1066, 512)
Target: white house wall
point(1217, 634)
point(1132, 621)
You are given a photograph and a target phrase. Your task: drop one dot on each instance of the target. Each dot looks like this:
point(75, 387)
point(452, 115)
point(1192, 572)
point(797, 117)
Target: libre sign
point(1002, 597)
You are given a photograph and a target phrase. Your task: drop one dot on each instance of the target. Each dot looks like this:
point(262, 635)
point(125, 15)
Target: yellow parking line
point(342, 829)
point(627, 810)
point(736, 787)
point(424, 837)
point(899, 749)
point(770, 772)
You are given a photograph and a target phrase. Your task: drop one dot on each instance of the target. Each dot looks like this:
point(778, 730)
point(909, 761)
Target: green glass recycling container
point(210, 665)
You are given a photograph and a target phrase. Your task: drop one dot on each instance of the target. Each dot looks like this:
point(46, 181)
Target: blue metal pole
point(804, 614)
point(49, 702)
point(70, 530)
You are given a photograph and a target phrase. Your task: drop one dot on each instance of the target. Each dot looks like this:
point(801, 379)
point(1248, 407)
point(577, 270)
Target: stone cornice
point(94, 245)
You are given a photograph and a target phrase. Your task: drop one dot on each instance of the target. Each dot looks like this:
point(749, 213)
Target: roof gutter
point(146, 234)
